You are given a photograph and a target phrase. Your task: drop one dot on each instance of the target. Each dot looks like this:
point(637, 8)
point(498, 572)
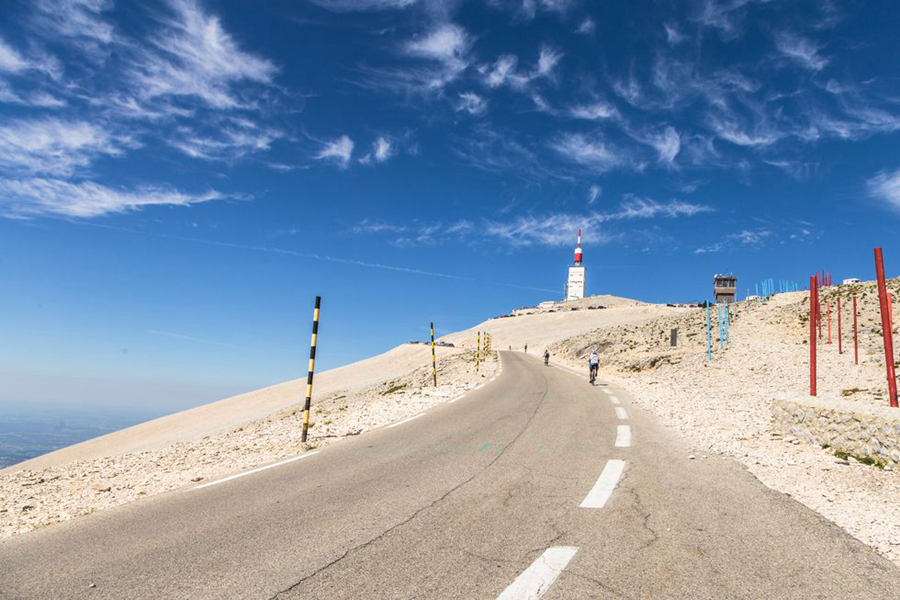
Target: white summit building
point(575, 282)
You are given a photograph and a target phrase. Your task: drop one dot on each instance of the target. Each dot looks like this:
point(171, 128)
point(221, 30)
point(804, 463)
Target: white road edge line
point(605, 485)
point(620, 412)
point(537, 579)
point(406, 420)
point(614, 400)
point(455, 399)
point(623, 436)
point(252, 471)
point(613, 396)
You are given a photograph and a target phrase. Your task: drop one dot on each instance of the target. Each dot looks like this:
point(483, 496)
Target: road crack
point(423, 509)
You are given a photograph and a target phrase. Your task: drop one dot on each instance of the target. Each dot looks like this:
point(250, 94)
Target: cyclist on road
point(594, 365)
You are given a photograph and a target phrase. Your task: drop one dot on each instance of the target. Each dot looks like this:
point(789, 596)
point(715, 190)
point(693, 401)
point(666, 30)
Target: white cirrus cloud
point(501, 71)
point(10, 59)
point(471, 103)
point(233, 141)
point(593, 111)
point(547, 60)
point(339, 150)
point(383, 149)
point(800, 50)
point(54, 146)
point(38, 196)
point(77, 19)
point(556, 229)
point(586, 27)
point(443, 49)
point(592, 153)
point(364, 5)
point(667, 145)
point(593, 193)
point(750, 237)
point(673, 35)
point(33, 99)
point(445, 43)
point(885, 186)
point(195, 57)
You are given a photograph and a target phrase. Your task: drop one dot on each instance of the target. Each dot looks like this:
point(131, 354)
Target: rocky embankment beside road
point(34, 498)
point(725, 406)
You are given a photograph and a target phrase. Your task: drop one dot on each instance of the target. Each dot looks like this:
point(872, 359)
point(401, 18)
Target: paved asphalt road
point(512, 491)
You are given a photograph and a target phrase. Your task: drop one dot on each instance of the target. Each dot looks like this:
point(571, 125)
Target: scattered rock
point(101, 487)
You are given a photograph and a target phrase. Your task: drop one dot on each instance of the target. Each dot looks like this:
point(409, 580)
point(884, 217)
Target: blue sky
point(179, 179)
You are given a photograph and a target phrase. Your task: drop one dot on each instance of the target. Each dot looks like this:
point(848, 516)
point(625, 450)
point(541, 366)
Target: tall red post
point(829, 322)
point(813, 302)
point(818, 309)
point(891, 314)
point(855, 340)
point(840, 347)
point(886, 331)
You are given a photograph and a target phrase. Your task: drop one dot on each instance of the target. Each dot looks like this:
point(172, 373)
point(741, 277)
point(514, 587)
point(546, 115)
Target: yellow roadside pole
point(478, 354)
point(312, 368)
point(433, 359)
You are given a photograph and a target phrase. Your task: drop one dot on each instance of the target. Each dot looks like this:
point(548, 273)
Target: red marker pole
point(813, 289)
point(886, 332)
point(855, 340)
point(840, 347)
point(818, 311)
point(891, 315)
point(829, 322)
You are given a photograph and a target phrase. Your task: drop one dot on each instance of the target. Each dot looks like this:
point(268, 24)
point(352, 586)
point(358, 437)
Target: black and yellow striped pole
point(478, 354)
point(433, 359)
point(312, 367)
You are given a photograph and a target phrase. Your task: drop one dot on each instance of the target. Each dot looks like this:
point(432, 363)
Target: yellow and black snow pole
point(478, 354)
point(433, 359)
point(312, 368)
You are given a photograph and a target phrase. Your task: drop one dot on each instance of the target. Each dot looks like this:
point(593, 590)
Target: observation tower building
point(575, 281)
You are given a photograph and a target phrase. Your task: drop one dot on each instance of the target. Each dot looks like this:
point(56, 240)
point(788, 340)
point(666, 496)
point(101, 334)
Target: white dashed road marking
point(537, 579)
point(250, 472)
point(407, 420)
point(605, 485)
point(623, 436)
point(620, 412)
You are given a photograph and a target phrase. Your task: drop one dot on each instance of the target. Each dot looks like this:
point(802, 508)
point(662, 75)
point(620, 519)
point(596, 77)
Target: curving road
point(537, 483)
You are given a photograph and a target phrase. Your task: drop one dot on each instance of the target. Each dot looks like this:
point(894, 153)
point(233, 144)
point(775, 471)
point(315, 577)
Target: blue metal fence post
point(727, 322)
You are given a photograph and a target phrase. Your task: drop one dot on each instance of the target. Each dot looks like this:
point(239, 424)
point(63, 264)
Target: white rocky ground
point(32, 498)
point(725, 406)
point(721, 407)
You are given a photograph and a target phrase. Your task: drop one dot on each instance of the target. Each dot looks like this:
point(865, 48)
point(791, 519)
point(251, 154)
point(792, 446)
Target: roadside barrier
point(813, 302)
point(312, 368)
point(433, 358)
point(886, 327)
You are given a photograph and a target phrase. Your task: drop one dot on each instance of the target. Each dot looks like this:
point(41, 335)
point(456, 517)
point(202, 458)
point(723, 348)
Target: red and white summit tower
point(575, 282)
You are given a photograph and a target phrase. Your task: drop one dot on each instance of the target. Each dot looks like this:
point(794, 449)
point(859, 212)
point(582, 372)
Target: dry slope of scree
point(725, 406)
point(33, 498)
point(238, 411)
point(542, 330)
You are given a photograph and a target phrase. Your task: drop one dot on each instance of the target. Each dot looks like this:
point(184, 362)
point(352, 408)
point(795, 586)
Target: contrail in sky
point(319, 257)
